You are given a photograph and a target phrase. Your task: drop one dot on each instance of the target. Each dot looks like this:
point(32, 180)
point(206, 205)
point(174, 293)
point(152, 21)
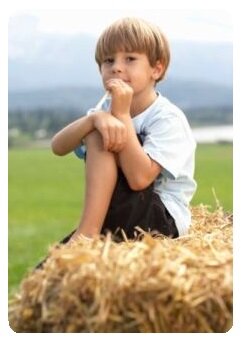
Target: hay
point(151, 285)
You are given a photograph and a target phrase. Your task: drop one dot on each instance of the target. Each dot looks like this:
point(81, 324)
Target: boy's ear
point(157, 70)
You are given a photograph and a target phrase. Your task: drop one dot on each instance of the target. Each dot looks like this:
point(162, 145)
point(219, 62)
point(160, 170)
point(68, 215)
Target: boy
point(139, 147)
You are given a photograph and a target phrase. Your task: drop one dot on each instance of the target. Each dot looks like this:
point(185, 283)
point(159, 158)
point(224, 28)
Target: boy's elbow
point(56, 148)
point(138, 184)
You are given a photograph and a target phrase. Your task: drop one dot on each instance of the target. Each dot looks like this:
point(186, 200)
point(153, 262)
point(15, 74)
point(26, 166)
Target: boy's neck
point(140, 102)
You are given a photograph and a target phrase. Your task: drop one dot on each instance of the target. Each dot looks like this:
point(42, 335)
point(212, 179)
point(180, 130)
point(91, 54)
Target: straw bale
point(152, 284)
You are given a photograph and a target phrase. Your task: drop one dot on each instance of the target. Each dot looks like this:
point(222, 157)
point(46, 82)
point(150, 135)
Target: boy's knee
point(93, 139)
point(94, 142)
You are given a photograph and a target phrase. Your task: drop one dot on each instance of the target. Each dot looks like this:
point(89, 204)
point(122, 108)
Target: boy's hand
point(121, 94)
point(111, 129)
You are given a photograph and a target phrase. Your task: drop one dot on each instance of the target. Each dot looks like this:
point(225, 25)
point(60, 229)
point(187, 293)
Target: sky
point(207, 25)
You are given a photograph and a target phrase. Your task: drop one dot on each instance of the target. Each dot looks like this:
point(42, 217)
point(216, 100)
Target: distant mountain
point(202, 61)
point(44, 61)
point(76, 98)
point(185, 94)
point(192, 94)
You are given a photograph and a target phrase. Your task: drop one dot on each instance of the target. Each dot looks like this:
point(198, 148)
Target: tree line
point(28, 125)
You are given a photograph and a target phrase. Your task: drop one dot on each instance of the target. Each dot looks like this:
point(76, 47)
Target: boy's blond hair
point(134, 35)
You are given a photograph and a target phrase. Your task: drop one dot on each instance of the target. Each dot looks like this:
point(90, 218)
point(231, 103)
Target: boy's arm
point(67, 139)
point(139, 169)
point(112, 130)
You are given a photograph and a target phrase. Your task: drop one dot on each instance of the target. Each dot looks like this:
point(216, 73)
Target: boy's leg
point(101, 177)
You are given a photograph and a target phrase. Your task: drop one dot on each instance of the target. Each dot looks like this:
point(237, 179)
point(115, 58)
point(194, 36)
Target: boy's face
point(131, 67)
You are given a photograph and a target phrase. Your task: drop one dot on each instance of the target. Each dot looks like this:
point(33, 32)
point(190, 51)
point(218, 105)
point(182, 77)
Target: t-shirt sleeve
point(169, 143)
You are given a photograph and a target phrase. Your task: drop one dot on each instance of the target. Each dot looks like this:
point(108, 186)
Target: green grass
point(45, 200)
point(46, 197)
point(214, 170)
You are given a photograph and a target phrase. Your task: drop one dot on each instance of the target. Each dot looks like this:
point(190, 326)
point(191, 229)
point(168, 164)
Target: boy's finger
point(112, 136)
point(106, 139)
point(119, 143)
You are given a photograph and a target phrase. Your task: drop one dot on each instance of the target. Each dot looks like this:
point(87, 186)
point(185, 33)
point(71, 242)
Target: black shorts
point(144, 209)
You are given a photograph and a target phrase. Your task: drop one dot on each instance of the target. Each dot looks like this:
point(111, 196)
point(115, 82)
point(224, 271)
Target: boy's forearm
point(67, 139)
point(139, 169)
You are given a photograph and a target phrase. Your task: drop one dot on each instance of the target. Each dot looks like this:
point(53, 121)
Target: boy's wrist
point(91, 118)
point(120, 114)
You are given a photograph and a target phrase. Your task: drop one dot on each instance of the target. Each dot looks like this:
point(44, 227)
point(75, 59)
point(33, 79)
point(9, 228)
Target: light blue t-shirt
point(168, 140)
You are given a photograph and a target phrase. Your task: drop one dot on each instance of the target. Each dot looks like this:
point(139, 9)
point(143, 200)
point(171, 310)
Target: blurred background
point(53, 79)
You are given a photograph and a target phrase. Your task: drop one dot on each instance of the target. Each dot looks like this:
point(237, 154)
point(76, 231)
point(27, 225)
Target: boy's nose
point(117, 67)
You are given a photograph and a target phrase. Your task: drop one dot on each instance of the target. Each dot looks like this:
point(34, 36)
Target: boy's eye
point(130, 58)
point(108, 60)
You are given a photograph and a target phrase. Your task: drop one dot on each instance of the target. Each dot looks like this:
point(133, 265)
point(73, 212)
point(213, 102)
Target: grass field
point(214, 169)
point(46, 198)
